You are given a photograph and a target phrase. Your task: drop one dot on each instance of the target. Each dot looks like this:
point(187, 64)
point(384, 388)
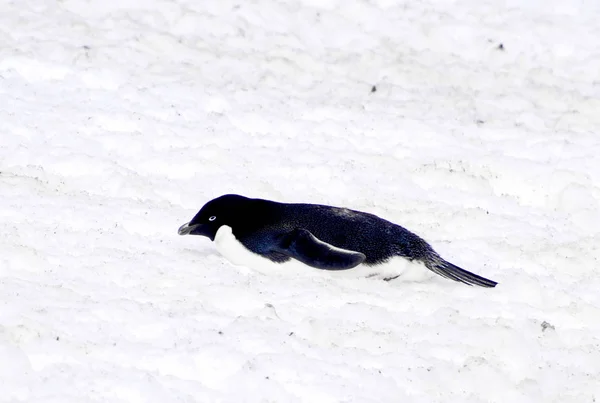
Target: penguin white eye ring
point(323, 237)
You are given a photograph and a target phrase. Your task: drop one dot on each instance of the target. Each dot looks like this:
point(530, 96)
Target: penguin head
point(224, 210)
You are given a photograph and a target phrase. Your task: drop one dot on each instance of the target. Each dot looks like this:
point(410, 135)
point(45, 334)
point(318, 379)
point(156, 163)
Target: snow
point(119, 120)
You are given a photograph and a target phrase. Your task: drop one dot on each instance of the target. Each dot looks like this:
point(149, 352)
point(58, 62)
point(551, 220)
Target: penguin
point(320, 236)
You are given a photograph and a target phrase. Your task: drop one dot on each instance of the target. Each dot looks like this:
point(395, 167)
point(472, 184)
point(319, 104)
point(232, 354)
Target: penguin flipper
point(302, 245)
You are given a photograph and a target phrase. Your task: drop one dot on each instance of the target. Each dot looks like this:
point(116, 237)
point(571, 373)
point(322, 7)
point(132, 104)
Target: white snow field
point(475, 124)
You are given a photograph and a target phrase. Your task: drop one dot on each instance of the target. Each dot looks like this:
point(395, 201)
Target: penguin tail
point(446, 269)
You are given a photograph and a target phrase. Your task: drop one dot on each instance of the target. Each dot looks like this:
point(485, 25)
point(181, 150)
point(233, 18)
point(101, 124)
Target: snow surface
point(120, 119)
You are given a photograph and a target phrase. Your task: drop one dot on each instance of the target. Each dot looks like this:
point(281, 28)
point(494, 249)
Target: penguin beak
point(186, 228)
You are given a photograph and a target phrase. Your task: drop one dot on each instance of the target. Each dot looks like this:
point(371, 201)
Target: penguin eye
point(212, 218)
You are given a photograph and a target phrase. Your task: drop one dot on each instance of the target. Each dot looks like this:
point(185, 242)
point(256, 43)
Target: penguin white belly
point(235, 252)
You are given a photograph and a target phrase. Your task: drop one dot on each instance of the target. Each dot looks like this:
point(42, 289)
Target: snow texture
point(474, 124)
